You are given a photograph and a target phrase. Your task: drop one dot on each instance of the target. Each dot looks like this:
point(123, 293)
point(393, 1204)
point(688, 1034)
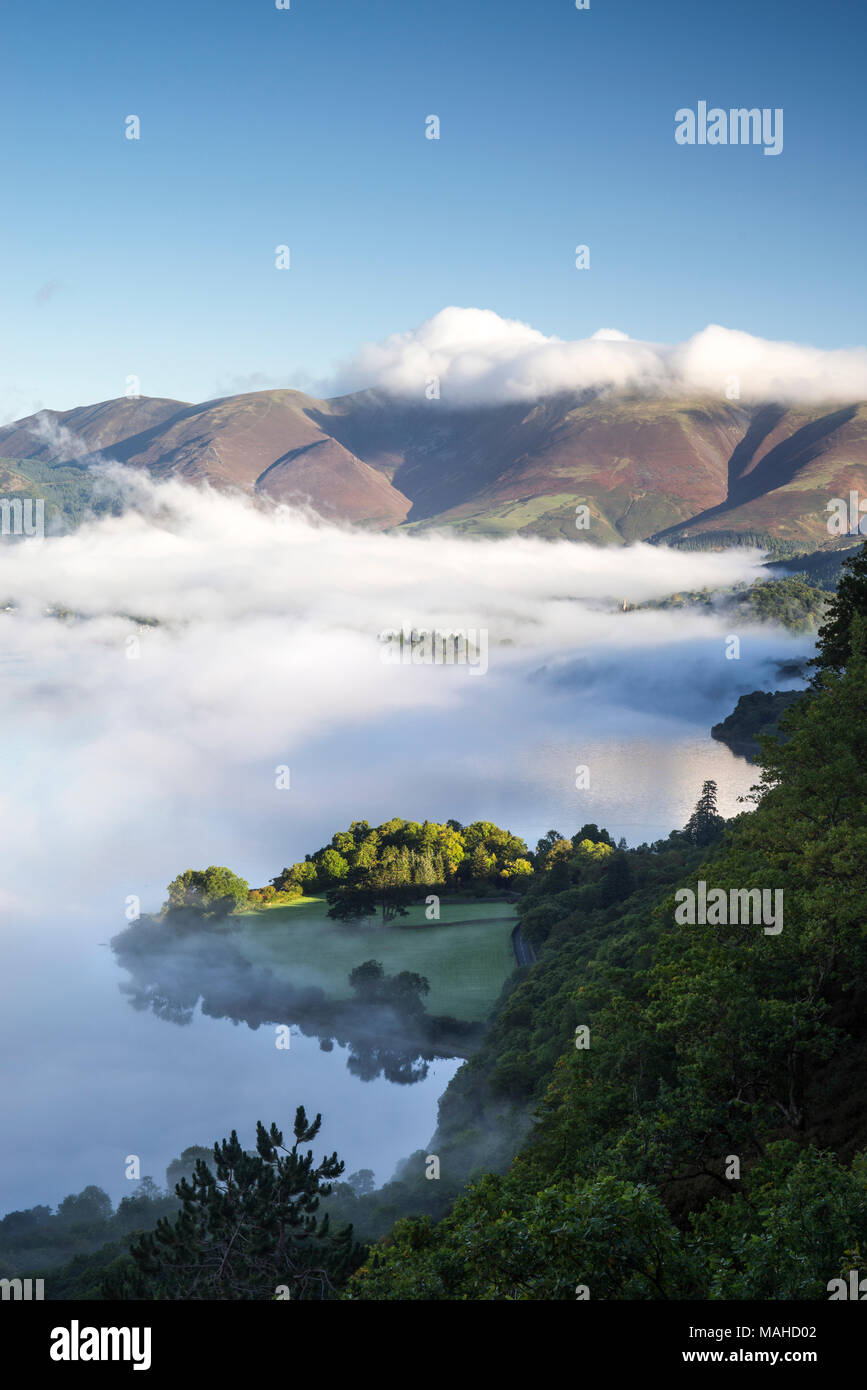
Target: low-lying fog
point(133, 752)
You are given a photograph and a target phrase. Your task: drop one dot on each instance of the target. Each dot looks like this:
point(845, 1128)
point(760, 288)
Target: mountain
point(694, 472)
point(267, 442)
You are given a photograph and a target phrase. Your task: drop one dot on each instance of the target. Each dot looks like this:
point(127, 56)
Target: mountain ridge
point(647, 468)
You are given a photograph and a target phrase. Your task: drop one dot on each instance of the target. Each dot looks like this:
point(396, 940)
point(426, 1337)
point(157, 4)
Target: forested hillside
point(706, 1137)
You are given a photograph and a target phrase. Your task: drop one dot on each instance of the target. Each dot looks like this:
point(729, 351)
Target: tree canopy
point(211, 892)
point(248, 1227)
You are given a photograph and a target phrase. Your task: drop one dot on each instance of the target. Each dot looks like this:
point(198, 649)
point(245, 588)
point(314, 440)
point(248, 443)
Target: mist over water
point(94, 1080)
point(124, 765)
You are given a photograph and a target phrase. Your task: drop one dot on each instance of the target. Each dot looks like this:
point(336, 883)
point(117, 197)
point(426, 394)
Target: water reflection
point(175, 965)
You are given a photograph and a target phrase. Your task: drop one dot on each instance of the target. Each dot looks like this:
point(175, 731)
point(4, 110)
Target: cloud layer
point(187, 555)
point(149, 745)
point(480, 358)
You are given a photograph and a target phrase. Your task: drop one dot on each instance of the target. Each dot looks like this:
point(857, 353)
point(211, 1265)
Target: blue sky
point(306, 127)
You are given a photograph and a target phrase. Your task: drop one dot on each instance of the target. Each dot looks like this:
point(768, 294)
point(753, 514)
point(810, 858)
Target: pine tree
point(404, 867)
point(705, 824)
point(247, 1228)
point(425, 872)
point(481, 863)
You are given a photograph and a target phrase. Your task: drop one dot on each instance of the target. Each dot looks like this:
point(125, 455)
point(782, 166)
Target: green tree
point(482, 863)
point(331, 867)
point(586, 849)
point(248, 1227)
point(545, 845)
point(211, 892)
point(705, 824)
point(617, 880)
point(785, 1232)
point(363, 1182)
point(91, 1204)
point(849, 601)
point(351, 903)
point(366, 979)
point(404, 991)
point(502, 1242)
point(452, 847)
point(366, 856)
point(185, 1166)
point(296, 877)
point(517, 869)
point(591, 832)
point(375, 893)
point(424, 872)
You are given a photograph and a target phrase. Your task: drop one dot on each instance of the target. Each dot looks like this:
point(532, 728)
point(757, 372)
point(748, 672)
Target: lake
point(94, 1080)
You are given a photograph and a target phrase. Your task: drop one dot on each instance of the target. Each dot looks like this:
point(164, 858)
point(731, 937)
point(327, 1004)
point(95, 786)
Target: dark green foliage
point(72, 491)
point(850, 600)
point(403, 991)
point(37, 1241)
point(247, 1229)
point(792, 602)
point(820, 568)
point(724, 539)
point(185, 1166)
point(800, 1221)
point(617, 880)
point(591, 832)
point(546, 844)
point(366, 979)
point(362, 1182)
point(795, 602)
point(705, 824)
point(357, 904)
point(754, 716)
point(92, 1204)
point(611, 1238)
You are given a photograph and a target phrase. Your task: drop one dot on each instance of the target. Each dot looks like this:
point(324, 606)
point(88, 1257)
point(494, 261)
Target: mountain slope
point(782, 481)
point(670, 470)
point(264, 442)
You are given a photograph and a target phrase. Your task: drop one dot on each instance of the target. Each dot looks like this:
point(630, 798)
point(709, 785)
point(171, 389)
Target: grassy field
point(466, 965)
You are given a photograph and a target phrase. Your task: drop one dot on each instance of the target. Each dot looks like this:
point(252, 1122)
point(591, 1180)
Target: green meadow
point(466, 956)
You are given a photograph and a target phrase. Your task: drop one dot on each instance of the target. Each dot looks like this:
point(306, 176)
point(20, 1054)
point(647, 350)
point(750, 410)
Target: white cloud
point(187, 555)
point(266, 654)
point(480, 357)
point(267, 645)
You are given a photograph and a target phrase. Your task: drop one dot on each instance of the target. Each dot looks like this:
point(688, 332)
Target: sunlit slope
point(661, 468)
